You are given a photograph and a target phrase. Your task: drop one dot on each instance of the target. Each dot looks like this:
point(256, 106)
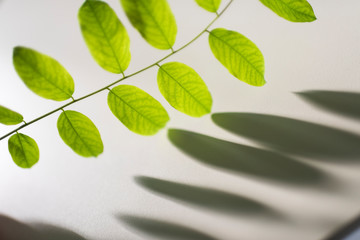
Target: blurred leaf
point(292, 10)
point(239, 55)
point(80, 134)
point(209, 5)
point(24, 150)
point(105, 36)
point(137, 110)
point(154, 20)
point(184, 89)
point(42, 74)
point(9, 117)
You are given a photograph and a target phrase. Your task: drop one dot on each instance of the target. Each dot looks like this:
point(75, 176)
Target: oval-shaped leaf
point(80, 133)
point(239, 55)
point(42, 74)
point(209, 5)
point(105, 36)
point(184, 89)
point(9, 117)
point(154, 20)
point(23, 150)
point(137, 110)
point(292, 10)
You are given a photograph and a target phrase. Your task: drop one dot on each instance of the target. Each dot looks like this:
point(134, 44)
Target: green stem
point(121, 79)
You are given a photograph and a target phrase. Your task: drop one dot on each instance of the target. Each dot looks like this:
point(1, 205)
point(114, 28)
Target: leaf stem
point(121, 79)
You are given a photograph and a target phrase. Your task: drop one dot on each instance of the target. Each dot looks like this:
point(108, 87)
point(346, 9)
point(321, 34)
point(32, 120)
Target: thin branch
point(121, 79)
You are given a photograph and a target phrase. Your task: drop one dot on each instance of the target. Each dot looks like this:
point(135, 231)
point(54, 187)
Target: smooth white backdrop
point(87, 195)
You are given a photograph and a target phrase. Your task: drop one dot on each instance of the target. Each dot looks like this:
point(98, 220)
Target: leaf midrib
point(87, 147)
point(106, 37)
point(206, 109)
point(23, 151)
point(242, 56)
point(305, 14)
point(156, 23)
point(157, 125)
point(42, 76)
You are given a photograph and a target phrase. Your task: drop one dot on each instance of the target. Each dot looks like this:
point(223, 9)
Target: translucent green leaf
point(239, 55)
point(23, 150)
point(209, 5)
point(137, 110)
point(292, 10)
point(80, 133)
point(184, 89)
point(42, 74)
point(154, 20)
point(105, 36)
point(9, 117)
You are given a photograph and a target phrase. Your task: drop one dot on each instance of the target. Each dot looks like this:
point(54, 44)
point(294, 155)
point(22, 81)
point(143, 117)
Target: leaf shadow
point(11, 229)
point(207, 198)
point(242, 159)
point(293, 136)
point(341, 103)
point(162, 229)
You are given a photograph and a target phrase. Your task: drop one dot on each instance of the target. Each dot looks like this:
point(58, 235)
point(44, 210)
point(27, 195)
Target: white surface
point(85, 195)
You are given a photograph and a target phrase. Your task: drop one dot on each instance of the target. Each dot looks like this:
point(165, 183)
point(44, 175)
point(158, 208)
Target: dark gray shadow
point(11, 229)
point(350, 231)
point(162, 229)
point(342, 103)
point(247, 160)
point(206, 198)
point(293, 136)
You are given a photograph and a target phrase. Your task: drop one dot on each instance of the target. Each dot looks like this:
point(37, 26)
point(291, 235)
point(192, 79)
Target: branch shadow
point(342, 103)
point(206, 198)
point(11, 229)
point(241, 159)
point(162, 229)
point(293, 136)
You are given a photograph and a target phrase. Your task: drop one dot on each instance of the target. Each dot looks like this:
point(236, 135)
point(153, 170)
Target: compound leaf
point(23, 150)
point(105, 36)
point(42, 74)
point(184, 89)
point(209, 5)
point(154, 20)
point(239, 55)
point(9, 117)
point(80, 133)
point(137, 110)
point(292, 10)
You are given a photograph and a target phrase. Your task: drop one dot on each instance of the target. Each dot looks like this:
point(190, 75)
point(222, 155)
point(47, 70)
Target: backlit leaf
point(154, 20)
point(137, 110)
point(292, 10)
point(184, 89)
point(209, 5)
point(42, 74)
point(239, 55)
point(80, 133)
point(105, 36)
point(9, 117)
point(23, 150)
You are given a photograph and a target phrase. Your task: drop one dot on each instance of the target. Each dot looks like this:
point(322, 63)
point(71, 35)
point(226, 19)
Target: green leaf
point(42, 74)
point(137, 110)
point(239, 55)
point(80, 133)
point(105, 36)
point(154, 20)
point(23, 150)
point(184, 89)
point(9, 117)
point(292, 10)
point(209, 5)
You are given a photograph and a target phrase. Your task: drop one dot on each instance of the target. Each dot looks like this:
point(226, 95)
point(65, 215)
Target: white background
point(87, 195)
